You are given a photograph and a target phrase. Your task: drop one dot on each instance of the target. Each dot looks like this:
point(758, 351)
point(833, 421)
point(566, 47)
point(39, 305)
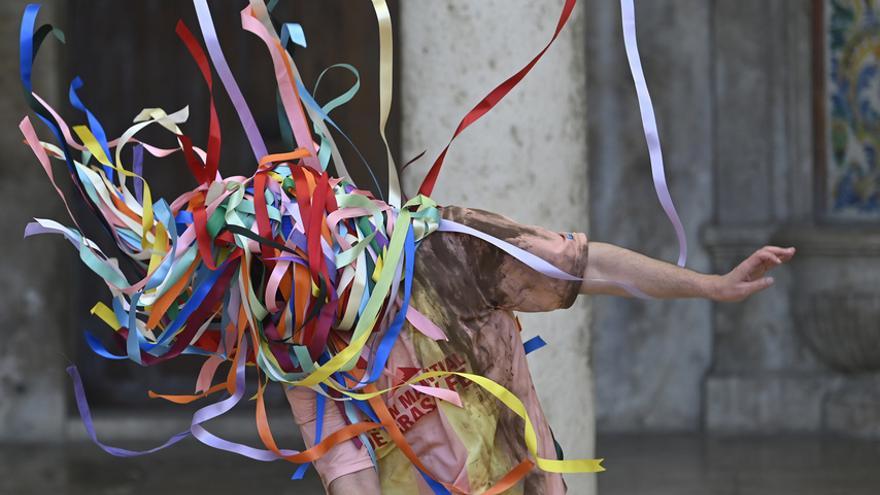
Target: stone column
point(34, 311)
point(758, 361)
point(527, 159)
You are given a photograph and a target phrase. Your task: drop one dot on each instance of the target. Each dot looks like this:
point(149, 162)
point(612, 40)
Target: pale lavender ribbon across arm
point(534, 262)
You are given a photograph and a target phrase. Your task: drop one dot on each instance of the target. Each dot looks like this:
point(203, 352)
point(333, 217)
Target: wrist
point(709, 287)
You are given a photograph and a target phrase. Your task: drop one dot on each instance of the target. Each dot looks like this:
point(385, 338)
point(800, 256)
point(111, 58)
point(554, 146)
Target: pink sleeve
point(344, 458)
point(507, 283)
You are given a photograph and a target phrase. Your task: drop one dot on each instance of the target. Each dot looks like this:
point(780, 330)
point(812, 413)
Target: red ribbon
point(492, 99)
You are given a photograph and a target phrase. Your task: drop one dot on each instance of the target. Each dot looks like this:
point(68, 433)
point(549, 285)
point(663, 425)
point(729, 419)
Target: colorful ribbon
point(289, 270)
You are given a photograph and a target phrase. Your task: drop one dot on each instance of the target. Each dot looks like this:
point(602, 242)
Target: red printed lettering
point(378, 439)
point(404, 423)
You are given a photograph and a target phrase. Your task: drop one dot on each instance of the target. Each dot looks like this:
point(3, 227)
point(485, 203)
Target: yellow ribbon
point(386, 89)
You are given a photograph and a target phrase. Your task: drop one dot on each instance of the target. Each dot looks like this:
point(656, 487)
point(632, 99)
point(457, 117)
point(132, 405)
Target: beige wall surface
point(526, 159)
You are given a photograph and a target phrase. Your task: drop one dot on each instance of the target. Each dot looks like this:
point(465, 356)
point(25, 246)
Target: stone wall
point(732, 85)
point(650, 357)
point(33, 314)
point(770, 373)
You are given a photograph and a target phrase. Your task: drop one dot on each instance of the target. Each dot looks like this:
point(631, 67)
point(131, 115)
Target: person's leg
point(363, 482)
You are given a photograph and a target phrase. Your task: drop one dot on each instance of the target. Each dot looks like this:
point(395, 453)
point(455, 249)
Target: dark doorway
point(130, 58)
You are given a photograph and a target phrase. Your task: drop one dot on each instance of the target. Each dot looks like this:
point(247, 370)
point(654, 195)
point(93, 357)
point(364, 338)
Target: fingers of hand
point(749, 277)
point(768, 256)
point(749, 288)
point(756, 265)
point(761, 284)
point(752, 263)
point(784, 254)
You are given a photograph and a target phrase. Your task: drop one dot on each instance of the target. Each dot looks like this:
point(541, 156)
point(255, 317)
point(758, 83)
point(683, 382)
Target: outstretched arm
point(609, 263)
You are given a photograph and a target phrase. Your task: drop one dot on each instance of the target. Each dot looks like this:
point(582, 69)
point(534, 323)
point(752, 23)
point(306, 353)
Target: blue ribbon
point(390, 338)
point(320, 406)
point(191, 305)
point(25, 65)
point(94, 124)
point(99, 349)
point(533, 344)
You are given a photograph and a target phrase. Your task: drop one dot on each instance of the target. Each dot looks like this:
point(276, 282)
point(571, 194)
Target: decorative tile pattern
point(851, 43)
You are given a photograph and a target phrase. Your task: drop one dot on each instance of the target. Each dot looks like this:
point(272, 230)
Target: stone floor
point(694, 465)
point(637, 465)
point(188, 468)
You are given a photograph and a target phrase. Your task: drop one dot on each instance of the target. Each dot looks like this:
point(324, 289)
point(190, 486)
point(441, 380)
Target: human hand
point(749, 276)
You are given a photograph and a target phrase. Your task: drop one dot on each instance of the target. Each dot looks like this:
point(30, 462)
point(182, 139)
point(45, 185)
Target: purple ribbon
point(539, 264)
point(85, 413)
point(212, 411)
point(138, 168)
point(222, 67)
point(534, 262)
point(204, 414)
point(649, 124)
